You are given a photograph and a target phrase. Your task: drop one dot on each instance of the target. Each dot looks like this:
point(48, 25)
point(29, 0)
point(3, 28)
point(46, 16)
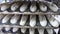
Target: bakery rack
point(28, 13)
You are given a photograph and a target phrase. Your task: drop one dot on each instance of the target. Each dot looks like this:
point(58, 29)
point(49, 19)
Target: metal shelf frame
point(18, 26)
point(29, 13)
point(7, 1)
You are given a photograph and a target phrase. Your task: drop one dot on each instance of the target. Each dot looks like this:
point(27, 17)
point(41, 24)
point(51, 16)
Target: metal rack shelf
point(8, 33)
point(12, 33)
point(17, 26)
point(8, 2)
point(29, 13)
